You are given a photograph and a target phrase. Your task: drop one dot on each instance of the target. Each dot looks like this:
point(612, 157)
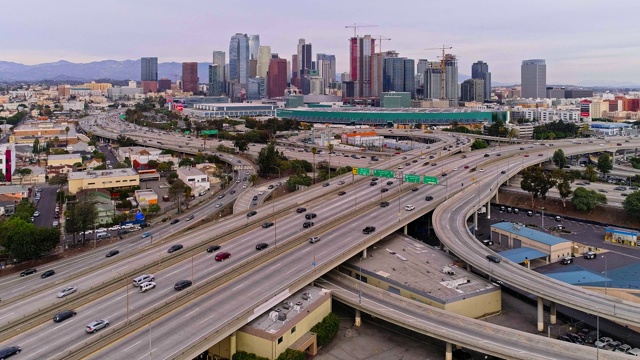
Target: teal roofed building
point(393, 116)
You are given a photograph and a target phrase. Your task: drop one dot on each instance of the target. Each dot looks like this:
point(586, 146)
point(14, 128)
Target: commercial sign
point(621, 236)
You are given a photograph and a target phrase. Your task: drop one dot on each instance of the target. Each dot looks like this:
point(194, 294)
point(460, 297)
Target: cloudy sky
point(581, 40)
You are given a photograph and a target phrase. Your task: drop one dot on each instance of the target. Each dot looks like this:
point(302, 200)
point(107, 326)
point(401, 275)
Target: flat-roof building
point(519, 236)
point(63, 159)
point(412, 269)
point(102, 179)
point(194, 178)
point(232, 110)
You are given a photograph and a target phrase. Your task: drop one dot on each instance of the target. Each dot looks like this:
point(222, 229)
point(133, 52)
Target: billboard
point(621, 236)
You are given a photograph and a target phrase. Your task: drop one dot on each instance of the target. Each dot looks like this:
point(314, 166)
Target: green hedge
point(243, 355)
point(327, 329)
point(291, 354)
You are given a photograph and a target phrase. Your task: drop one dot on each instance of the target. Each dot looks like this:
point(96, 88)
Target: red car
point(526, 155)
point(223, 255)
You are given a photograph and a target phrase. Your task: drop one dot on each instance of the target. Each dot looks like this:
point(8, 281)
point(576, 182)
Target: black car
point(113, 253)
point(251, 213)
point(373, 183)
point(384, 190)
point(310, 216)
point(389, 183)
point(213, 248)
point(415, 189)
point(174, 221)
point(443, 174)
point(63, 315)
point(232, 192)
point(268, 224)
point(255, 198)
point(374, 179)
point(428, 198)
point(307, 224)
point(300, 210)
point(325, 184)
point(368, 229)
point(28, 272)
point(175, 247)
point(182, 284)
point(486, 155)
point(47, 273)
point(342, 193)
point(384, 204)
point(262, 246)
point(9, 351)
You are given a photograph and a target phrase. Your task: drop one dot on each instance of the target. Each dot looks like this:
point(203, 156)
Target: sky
point(582, 41)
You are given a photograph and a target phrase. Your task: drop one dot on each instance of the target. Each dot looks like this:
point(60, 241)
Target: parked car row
point(590, 337)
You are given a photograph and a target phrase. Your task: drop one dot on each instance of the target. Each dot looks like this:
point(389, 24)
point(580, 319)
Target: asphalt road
point(46, 206)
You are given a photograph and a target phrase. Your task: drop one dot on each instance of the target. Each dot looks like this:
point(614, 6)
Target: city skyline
point(501, 35)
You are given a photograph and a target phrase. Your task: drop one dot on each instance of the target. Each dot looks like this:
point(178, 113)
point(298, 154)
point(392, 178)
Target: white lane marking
point(147, 355)
point(2, 317)
point(19, 288)
point(125, 350)
point(275, 266)
point(207, 319)
point(192, 312)
point(44, 348)
point(237, 287)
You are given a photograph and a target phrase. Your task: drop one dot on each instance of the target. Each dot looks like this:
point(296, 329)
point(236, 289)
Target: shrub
point(327, 329)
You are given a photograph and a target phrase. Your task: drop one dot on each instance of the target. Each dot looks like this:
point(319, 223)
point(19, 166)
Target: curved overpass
point(450, 225)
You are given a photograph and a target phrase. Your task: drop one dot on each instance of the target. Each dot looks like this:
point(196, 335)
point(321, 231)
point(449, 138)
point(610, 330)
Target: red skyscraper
point(190, 77)
point(361, 50)
point(277, 78)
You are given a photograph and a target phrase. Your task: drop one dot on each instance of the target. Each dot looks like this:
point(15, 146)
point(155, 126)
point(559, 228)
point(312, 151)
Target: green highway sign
point(187, 132)
point(208, 132)
point(412, 178)
point(364, 171)
point(383, 173)
point(432, 180)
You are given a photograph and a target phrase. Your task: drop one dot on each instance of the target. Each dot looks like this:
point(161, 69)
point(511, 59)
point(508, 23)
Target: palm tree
point(66, 130)
point(253, 179)
point(512, 134)
point(314, 151)
point(56, 140)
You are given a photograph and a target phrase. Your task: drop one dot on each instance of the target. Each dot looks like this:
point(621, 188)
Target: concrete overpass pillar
point(497, 190)
point(540, 314)
point(489, 209)
point(475, 221)
point(552, 313)
point(404, 229)
point(468, 267)
point(358, 318)
point(364, 253)
point(448, 352)
point(232, 344)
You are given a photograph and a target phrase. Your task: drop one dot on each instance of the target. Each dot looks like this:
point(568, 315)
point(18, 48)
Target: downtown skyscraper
point(239, 59)
point(361, 50)
point(533, 76)
point(399, 75)
point(480, 70)
point(190, 77)
point(326, 65)
point(149, 74)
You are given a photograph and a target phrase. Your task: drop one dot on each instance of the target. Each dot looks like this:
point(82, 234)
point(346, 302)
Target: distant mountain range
point(130, 70)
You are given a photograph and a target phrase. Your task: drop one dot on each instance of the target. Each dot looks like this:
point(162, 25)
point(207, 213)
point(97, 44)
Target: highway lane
point(450, 225)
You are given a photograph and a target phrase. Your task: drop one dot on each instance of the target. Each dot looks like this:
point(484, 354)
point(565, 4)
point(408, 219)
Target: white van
point(102, 235)
point(147, 286)
point(143, 279)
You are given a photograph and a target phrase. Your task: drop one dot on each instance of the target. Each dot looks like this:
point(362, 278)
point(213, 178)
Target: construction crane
point(443, 96)
point(356, 26)
point(380, 38)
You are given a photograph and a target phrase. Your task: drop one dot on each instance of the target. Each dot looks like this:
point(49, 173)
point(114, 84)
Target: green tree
point(185, 162)
point(154, 209)
point(327, 329)
point(241, 143)
point(537, 182)
point(300, 179)
point(187, 195)
point(253, 179)
point(36, 146)
point(23, 172)
point(559, 159)
point(267, 158)
point(24, 210)
point(66, 130)
point(56, 141)
point(59, 180)
point(163, 167)
point(586, 200)
point(590, 173)
point(513, 133)
point(176, 193)
point(479, 144)
point(24, 241)
point(631, 204)
point(290, 354)
point(152, 164)
point(563, 184)
point(605, 164)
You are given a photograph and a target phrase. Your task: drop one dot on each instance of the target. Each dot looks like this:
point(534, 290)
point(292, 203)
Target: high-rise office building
point(295, 71)
point(361, 50)
point(433, 81)
point(326, 65)
point(190, 77)
point(164, 84)
point(256, 89)
point(451, 79)
point(239, 59)
point(264, 58)
point(219, 58)
point(304, 66)
point(277, 78)
point(533, 75)
point(398, 75)
point(254, 46)
point(149, 69)
point(480, 70)
point(472, 90)
point(149, 74)
point(215, 80)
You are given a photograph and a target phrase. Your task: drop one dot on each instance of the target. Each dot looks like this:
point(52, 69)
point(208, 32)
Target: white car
point(55, 223)
point(218, 205)
point(244, 186)
point(481, 170)
point(67, 291)
point(88, 232)
point(455, 169)
point(409, 207)
point(114, 227)
point(102, 229)
point(36, 214)
point(261, 192)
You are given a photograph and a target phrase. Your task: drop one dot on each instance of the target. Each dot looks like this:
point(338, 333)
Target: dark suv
point(368, 229)
point(310, 216)
point(182, 284)
point(251, 213)
point(307, 224)
point(300, 210)
point(262, 246)
point(9, 351)
point(63, 315)
point(174, 248)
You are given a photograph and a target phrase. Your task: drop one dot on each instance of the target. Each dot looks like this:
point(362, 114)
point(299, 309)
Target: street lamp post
point(126, 289)
point(606, 275)
point(273, 211)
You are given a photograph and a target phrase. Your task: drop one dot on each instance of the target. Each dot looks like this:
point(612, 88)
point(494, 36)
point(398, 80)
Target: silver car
point(96, 325)
point(67, 291)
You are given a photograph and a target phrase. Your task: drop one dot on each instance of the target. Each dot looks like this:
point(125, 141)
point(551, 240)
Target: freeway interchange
point(251, 289)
